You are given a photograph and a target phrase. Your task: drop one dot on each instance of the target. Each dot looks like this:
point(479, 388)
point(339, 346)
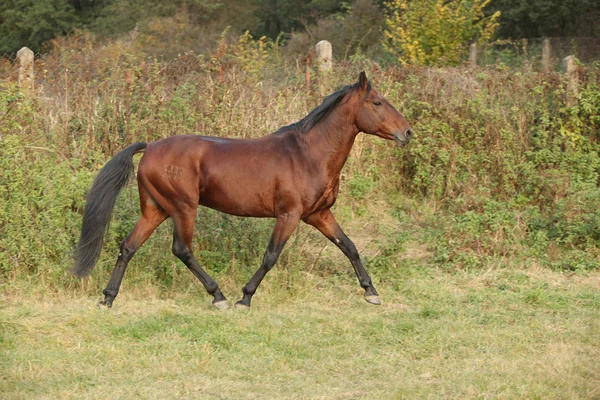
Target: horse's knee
point(348, 248)
point(270, 260)
point(180, 250)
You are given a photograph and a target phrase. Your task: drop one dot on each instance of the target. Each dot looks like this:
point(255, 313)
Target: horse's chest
point(327, 196)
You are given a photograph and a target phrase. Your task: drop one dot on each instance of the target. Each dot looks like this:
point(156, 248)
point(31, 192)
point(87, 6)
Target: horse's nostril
point(408, 134)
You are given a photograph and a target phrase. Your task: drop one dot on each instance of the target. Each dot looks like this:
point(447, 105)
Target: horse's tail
point(99, 205)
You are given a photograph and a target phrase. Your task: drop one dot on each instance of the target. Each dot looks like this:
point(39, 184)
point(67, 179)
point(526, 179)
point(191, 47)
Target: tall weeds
point(500, 171)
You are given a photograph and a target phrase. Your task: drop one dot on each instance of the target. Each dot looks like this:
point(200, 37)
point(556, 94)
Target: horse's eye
point(377, 103)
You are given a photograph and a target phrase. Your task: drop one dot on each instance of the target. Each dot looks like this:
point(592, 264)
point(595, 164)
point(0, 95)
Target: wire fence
point(528, 52)
point(9, 68)
point(513, 54)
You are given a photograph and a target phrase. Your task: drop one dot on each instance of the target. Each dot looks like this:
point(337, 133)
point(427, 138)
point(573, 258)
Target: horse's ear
point(363, 82)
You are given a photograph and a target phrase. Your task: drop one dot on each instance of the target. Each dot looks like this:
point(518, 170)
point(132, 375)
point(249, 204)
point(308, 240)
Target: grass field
point(482, 237)
point(528, 333)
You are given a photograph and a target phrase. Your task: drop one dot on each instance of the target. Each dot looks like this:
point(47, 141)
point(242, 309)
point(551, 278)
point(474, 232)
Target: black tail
point(99, 205)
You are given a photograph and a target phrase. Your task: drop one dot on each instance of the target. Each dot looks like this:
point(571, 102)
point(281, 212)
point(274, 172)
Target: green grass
point(482, 237)
point(529, 333)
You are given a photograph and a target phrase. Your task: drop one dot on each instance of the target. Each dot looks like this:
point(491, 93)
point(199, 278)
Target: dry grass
point(468, 313)
point(495, 334)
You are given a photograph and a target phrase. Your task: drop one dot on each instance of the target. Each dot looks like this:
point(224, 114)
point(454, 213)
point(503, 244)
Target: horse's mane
point(322, 111)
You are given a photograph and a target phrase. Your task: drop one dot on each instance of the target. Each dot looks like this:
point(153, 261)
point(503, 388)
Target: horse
point(291, 175)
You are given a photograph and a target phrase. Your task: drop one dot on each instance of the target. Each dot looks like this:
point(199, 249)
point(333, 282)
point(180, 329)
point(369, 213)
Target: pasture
point(488, 334)
point(482, 237)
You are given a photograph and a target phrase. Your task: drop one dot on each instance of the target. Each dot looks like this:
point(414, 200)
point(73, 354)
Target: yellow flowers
point(436, 32)
point(253, 54)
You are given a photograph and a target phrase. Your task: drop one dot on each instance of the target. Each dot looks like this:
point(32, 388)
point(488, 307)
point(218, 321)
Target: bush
point(500, 172)
point(436, 32)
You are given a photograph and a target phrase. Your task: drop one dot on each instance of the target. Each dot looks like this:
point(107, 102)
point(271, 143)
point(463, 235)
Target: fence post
point(307, 73)
point(324, 64)
point(25, 57)
point(546, 51)
point(473, 54)
point(324, 55)
point(572, 80)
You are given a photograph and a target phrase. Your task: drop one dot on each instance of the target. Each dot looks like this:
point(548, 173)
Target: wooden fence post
point(572, 71)
point(546, 51)
point(324, 64)
point(324, 55)
point(473, 54)
point(308, 60)
point(25, 57)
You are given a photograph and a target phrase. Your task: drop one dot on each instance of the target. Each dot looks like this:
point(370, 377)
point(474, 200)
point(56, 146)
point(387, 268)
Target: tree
point(117, 17)
point(436, 32)
point(357, 29)
point(547, 18)
point(276, 16)
point(32, 22)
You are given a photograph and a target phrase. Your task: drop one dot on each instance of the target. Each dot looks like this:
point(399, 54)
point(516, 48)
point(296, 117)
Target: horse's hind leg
point(152, 216)
point(182, 248)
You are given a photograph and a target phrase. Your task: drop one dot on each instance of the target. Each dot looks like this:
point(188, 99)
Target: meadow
point(488, 334)
point(482, 236)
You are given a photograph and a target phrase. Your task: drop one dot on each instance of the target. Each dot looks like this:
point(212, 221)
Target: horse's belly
point(237, 202)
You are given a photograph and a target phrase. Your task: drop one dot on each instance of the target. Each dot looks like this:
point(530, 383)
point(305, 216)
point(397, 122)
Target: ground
point(528, 333)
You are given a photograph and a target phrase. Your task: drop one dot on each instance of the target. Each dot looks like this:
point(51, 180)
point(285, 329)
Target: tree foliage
point(351, 25)
point(428, 32)
point(32, 22)
point(276, 16)
point(357, 29)
point(115, 17)
point(547, 18)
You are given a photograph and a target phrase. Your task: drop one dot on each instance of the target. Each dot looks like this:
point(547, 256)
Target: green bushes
point(516, 145)
point(500, 173)
point(40, 214)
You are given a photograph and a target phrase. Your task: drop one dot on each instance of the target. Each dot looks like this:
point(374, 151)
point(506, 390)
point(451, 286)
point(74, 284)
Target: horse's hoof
point(221, 305)
point(241, 306)
point(104, 304)
point(373, 299)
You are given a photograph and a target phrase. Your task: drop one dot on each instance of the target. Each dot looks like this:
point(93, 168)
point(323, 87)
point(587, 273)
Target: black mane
point(322, 111)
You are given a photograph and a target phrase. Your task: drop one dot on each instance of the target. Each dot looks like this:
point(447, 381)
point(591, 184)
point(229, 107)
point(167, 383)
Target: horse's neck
point(330, 141)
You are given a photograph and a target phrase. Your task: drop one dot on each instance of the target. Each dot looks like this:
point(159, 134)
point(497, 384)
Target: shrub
point(436, 32)
point(500, 172)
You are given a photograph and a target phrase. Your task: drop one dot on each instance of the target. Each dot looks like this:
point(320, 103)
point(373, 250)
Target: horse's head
point(376, 116)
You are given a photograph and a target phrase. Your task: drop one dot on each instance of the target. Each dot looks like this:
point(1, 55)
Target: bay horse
point(291, 175)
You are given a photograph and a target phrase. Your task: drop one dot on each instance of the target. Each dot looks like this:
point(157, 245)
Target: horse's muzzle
point(402, 138)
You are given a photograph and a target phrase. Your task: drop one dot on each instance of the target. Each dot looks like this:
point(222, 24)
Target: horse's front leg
point(284, 226)
point(325, 222)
